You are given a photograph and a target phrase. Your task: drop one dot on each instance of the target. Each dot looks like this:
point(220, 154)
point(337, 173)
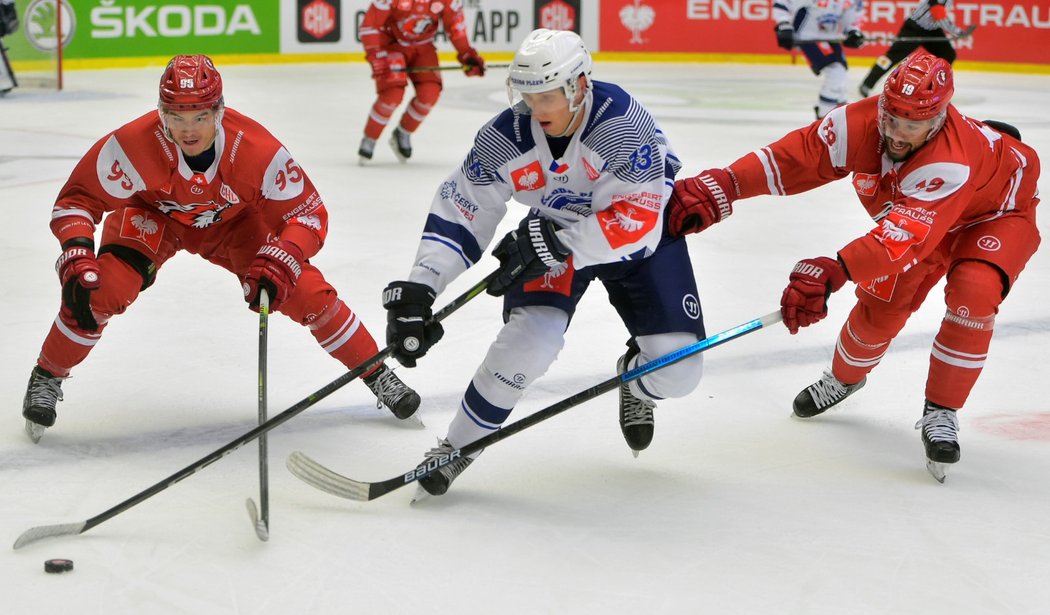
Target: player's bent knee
point(121, 284)
point(676, 380)
point(974, 288)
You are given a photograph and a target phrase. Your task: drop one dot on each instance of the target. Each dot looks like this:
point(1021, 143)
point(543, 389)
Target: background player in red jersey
point(951, 196)
point(399, 34)
point(195, 176)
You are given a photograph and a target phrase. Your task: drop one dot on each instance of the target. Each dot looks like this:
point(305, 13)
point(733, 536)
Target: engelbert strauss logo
point(637, 18)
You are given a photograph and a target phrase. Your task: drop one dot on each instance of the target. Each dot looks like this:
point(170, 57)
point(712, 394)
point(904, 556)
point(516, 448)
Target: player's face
point(192, 131)
point(902, 137)
point(551, 110)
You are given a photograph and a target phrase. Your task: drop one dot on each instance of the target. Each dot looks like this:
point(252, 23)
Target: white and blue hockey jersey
point(816, 20)
point(606, 193)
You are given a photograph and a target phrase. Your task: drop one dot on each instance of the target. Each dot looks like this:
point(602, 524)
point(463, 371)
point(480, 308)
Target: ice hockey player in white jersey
point(820, 29)
point(596, 172)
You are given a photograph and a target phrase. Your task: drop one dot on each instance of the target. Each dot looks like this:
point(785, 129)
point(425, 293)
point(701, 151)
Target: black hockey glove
point(785, 35)
point(409, 320)
point(854, 39)
point(526, 253)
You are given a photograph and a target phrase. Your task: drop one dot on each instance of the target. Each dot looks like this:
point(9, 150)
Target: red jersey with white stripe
point(412, 22)
point(968, 173)
point(136, 166)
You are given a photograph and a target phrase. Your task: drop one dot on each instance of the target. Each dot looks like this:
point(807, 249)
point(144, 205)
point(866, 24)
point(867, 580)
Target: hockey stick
point(261, 522)
point(424, 69)
point(326, 480)
point(889, 40)
point(40, 532)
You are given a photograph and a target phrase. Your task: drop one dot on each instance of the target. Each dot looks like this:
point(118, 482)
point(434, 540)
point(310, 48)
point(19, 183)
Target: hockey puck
point(58, 565)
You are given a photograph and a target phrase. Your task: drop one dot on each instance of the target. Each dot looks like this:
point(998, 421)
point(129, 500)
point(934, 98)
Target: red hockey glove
point(276, 267)
point(698, 202)
point(526, 253)
point(805, 300)
point(473, 64)
point(79, 274)
point(380, 64)
point(410, 325)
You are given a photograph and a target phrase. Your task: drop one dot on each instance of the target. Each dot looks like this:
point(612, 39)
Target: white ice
point(736, 507)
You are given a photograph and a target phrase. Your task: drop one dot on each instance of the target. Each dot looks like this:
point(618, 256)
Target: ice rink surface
point(735, 508)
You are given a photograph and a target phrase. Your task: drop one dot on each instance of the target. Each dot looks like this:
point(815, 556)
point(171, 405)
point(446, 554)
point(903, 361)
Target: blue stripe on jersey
point(456, 237)
point(479, 410)
point(623, 133)
point(503, 139)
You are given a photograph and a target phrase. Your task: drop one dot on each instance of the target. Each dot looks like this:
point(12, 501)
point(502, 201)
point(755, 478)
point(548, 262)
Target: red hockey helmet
point(920, 88)
point(190, 83)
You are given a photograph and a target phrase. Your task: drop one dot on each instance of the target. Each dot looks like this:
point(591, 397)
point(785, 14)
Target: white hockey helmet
point(548, 60)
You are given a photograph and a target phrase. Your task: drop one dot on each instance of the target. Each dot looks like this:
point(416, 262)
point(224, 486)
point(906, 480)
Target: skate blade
point(421, 495)
point(635, 453)
point(34, 431)
point(413, 421)
point(938, 470)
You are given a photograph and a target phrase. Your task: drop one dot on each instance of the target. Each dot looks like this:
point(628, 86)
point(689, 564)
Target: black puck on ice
point(58, 565)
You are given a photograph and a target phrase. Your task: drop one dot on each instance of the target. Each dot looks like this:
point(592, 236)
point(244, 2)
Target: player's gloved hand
point(79, 274)
point(473, 64)
point(380, 64)
point(410, 324)
point(276, 267)
point(785, 35)
point(942, 20)
point(526, 253)
point(805, 300)
point(854, 39)
point(698, 202)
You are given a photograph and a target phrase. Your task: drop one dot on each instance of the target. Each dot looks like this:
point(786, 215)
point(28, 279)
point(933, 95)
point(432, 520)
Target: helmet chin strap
point(584, 104)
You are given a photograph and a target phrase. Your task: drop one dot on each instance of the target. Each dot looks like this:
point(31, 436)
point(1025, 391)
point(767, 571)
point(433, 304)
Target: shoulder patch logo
point(865, 183)
point(529, 177)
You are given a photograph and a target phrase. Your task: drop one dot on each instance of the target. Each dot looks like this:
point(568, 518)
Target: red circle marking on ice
point(1016, 426)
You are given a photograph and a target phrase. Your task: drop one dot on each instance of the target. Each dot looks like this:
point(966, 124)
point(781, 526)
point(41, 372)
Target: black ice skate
point(823, 394)
point(401, 143)
point(391, 392)
point(38, 408)
point(940, 437)
point(636, 414)
point(366, 149)
point(438, 481)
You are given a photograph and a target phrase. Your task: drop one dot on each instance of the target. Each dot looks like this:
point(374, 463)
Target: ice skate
point(823, 394)
point(401, 143)
point(940, 437)
point(394, 394)
point(38, 408)
point(365, 150)
point(438, 481)
point(636, 414)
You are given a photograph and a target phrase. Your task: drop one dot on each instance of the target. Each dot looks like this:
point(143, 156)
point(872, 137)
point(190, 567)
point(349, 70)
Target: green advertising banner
point(136, 28)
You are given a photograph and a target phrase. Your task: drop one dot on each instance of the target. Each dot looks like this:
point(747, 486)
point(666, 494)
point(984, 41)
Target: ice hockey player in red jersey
point(399, 35)
point(951, 197)
point(196, 176)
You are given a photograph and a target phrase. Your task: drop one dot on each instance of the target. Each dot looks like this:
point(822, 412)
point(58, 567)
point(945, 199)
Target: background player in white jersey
point(8, 25)
point(952, 198)
point(930, 19)
point(817, 27)
point(596, 171)
point(192, 175)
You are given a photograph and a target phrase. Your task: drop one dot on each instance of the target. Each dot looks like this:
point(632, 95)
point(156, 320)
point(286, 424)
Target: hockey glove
point(785, 35)
point(380, 64)
point(276, 267)
point(805, 300)
point(473, 64)
point(79, 274)
point(854, 39)
point(526, 253)
point(410, 326)
point(698, 202)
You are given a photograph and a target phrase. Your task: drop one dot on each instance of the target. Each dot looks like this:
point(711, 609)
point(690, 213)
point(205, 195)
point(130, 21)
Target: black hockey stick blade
point(40, 532)
point(428, 69)
point(317, 475)
point(261, 516)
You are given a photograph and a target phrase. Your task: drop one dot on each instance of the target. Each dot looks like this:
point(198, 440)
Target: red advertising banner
point(1016, 31)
